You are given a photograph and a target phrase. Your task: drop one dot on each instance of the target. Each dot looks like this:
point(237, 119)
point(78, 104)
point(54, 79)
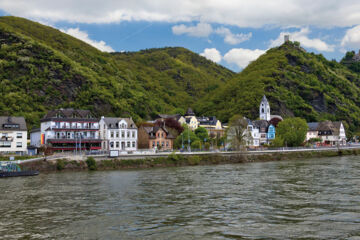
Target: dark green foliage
point(91, 163)
point(184, 138)
point(291, 132)
point(42, 68)
point(296, 83)
point(60, 164)
point(202, 134)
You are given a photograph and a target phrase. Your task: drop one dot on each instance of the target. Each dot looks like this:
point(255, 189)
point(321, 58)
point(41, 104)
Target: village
point(75, 131)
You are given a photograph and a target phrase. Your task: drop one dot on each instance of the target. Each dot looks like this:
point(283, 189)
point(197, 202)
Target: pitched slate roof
point(166, 116)
point(14, 123)
point(68, 114)
point(207, 120)
point(112, 122)
point(261, 124)
point(151, 131)
point(313, 126)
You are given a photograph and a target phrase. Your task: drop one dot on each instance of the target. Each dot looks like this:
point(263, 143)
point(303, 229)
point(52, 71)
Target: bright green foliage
point(291, 132)
point(184, 136)
point(42, 68)
point(196, 144)
point(296, 83)
point(202, 134)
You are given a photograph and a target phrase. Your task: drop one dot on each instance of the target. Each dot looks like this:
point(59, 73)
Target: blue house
point(271, 132)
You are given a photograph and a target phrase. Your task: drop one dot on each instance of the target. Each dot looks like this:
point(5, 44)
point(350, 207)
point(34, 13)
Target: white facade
point(311, 134)
point(264, 109)
point(13, 141)
point(118, 134)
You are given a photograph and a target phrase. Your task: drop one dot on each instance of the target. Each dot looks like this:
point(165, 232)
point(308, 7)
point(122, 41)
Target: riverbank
point(173, 160)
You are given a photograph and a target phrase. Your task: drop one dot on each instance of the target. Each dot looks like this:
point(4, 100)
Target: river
point(299, 199)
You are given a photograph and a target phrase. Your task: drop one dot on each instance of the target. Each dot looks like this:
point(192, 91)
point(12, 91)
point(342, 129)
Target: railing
point(76, 139)
point(75, 127)
point(6, 139)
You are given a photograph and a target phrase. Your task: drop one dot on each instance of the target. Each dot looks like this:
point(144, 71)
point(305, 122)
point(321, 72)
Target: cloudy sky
point(229, 32)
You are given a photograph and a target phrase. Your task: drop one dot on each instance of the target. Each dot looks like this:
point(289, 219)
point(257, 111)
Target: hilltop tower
point(264, 109)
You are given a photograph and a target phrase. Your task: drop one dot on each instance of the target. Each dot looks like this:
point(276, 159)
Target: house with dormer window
point(118, 134)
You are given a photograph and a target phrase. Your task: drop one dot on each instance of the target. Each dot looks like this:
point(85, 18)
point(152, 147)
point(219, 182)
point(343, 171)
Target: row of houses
point(263, 131)
point(78, 130)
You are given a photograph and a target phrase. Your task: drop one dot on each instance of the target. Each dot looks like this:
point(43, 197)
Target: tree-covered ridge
point(296, 83)
point(42, 68)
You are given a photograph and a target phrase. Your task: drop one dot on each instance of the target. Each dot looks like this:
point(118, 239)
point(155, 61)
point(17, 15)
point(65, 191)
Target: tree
point(183, 138)
point(292, 131)
point(202, 134)
point(237, 132)
point(170, 123)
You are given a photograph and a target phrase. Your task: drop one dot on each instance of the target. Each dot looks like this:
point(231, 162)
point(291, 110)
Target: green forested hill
point(296, 83)
point(42, 68)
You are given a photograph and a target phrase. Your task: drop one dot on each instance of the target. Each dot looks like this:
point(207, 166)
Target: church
point(263, 131)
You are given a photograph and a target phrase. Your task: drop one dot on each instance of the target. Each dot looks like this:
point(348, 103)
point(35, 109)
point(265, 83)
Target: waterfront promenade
point(82, 157)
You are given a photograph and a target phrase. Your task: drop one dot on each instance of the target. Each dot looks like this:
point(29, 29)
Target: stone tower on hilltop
point(264, 109)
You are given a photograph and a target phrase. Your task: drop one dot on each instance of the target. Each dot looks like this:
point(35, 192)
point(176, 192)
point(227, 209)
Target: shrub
point(60, 164)
point(91, 163)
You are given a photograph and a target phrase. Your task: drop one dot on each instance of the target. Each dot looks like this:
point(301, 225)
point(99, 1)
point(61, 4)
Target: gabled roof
point(112, 122)
point(261, 124)
point(12, 123)
point(68, 114)
point(313, 126)
point(207, 120)
point(151, 131)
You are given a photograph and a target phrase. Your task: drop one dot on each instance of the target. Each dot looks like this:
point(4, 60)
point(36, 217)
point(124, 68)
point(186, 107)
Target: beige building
point(13, 135)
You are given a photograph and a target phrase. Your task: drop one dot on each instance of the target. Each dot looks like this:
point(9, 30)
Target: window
point(122, 134)
point(117, 134)
point(133, 134)
point(157, 143)
point(133, 144)
point(19, 135)
point(128, 144)
point(167, 143)
point(111, 144)
point(5, 144)
point(262, 110)
point(112, 134)
point(128, 134)
point(117, 144)
point(162, 144)
point(19, 144)
point(153, 143)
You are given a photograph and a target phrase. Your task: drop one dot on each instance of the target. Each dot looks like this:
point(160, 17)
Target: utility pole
point(189, 149)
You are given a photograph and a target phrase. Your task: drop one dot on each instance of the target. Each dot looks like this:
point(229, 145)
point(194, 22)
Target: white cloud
point(212, 54)
point(232, 38)
point(241, 13)
point(82, 35)
point(351, 38)
point(242, 57)
point(302, 37)
point(200, 30)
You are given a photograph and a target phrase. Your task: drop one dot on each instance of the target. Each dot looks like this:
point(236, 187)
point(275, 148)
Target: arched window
point(262, 110)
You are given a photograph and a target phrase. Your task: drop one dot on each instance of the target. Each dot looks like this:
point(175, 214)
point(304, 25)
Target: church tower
point(264, 109)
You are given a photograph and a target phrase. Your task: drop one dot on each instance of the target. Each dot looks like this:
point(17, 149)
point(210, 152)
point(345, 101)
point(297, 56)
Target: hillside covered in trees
point(42, 68)
point(296, 83)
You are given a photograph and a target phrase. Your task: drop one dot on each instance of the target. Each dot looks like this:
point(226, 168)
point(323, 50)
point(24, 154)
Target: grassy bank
point(178, 160)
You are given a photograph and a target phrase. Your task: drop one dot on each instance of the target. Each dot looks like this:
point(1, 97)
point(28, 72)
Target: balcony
point(6, 139)
point(75, 128)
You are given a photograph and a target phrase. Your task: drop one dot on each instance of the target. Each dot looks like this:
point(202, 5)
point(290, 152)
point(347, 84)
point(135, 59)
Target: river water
point(300, 199)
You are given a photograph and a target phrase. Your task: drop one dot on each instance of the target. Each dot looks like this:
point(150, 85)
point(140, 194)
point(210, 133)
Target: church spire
point(264, 109)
